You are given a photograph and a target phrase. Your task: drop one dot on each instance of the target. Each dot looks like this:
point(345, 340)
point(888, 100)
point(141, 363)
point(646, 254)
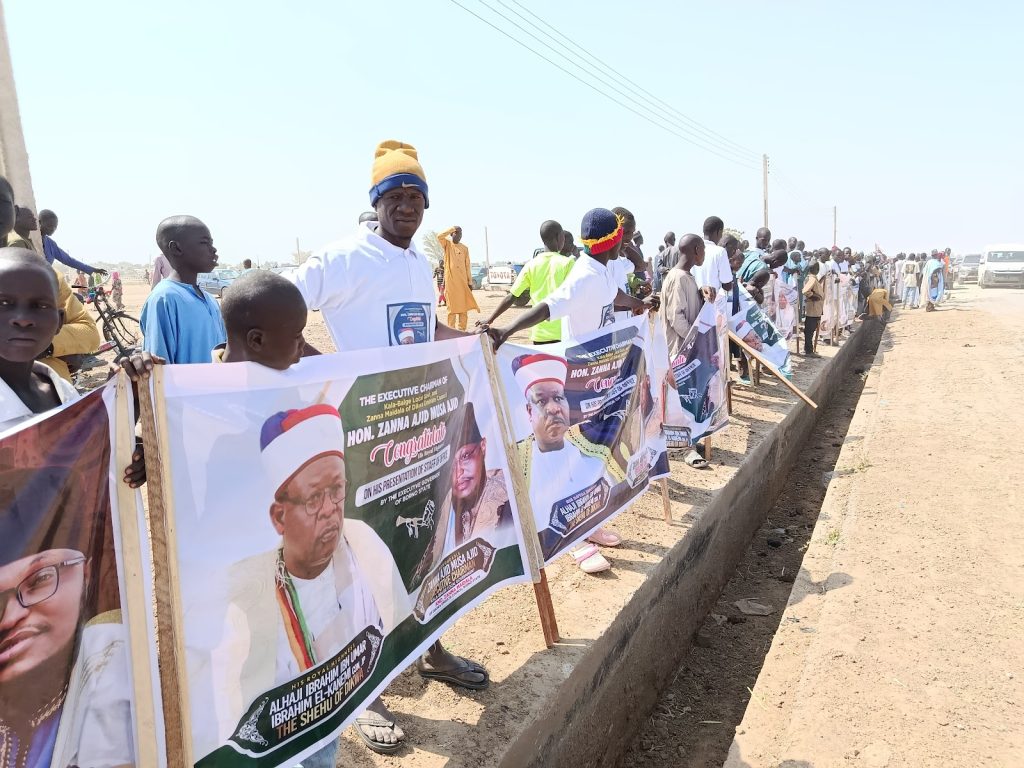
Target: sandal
point(375, 720)
point(590, 560)
point(695, 460)
point(606, 537)
point(452, 676)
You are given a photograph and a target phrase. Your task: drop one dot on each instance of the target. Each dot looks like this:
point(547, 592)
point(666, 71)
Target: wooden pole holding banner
point(767, 364)
point(546, 608)
point(487, 249)
point(137, 606)
point(666, 502)
point(170, 640)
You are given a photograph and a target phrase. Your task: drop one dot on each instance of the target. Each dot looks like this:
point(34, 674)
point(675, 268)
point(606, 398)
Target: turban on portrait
point(536, 368)
point(292, 439)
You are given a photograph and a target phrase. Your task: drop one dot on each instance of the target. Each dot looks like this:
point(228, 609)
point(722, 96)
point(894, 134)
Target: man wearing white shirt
point(587, 300)
point(714, 274)
point(376, 289)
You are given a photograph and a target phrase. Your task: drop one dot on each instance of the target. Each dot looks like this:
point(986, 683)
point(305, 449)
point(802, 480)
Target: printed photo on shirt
point(409, 323)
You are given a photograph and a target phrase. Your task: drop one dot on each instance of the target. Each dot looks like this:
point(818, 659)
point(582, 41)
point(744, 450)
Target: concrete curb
point(594, 715)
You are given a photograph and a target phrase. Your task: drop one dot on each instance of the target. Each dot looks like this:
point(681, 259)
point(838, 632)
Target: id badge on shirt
point(409, 323)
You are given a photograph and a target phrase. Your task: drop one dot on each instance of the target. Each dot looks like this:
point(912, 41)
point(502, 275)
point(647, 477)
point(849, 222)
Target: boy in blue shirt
point(180, 321)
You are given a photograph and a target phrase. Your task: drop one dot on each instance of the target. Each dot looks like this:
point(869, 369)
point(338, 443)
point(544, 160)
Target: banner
point(67, 694)
point(587, 416)
point(329, 526)
point(700, 374)
point(748, 321)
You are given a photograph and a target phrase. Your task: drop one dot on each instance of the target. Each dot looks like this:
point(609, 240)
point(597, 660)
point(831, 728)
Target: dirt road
point(902, 642)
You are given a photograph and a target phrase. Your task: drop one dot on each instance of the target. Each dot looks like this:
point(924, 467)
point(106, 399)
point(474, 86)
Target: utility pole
point(764, 163)
point(835, 239)
point(487, 249)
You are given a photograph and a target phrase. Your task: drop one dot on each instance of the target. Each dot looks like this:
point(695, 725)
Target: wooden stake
point(137, 607)
point(778, 374)
point(545, 606)
point(707, 448)
point(170, 639)
point(666, 502)
point(546, 609)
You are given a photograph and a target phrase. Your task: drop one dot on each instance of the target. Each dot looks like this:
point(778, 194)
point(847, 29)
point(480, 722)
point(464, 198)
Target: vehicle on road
point(477, 275)
point(967, 269)
point(215, 282)
point(1002, 264)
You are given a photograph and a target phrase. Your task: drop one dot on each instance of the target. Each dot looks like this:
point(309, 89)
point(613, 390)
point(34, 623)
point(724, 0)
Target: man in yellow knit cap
point(457, 279)
point(376, 289)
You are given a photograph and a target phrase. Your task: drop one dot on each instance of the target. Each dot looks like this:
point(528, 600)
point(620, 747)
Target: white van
point(1002, 264)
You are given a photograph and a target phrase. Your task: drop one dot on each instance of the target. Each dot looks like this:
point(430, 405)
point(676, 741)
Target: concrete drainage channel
point(602, 710)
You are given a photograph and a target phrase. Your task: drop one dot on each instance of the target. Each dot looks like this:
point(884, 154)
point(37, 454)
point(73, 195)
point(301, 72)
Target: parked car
point(967, 269)
point(215, 282)
point(1002, 265)
point(477, 275)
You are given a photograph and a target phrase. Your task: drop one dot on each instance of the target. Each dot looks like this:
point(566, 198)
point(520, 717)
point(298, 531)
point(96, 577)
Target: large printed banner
point(587, 417)
point(750, 323)
point(66, 690)
point(700, 374)
point(329, 526)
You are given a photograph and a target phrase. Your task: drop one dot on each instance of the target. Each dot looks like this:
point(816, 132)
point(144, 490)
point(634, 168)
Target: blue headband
point(397, 181)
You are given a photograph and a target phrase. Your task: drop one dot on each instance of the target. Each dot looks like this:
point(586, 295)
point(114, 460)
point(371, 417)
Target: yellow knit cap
point(396, 165)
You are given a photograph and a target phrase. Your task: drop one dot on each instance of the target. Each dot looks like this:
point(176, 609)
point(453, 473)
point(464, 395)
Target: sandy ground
point(695, 720)
point(445, 727)
point(901, 644)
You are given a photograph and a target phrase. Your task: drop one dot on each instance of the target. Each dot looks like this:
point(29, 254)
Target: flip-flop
point(695, 460)
point(376, 720)
point(590, 559)
point(451, 676)
point(605, 537)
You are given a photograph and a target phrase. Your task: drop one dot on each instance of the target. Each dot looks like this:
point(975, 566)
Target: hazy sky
point(261, 118)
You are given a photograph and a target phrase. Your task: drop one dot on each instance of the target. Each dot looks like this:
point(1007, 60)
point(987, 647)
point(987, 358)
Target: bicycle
point(122, 336)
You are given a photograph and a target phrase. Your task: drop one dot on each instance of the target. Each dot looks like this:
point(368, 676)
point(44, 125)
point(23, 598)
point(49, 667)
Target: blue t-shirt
point(180, 325)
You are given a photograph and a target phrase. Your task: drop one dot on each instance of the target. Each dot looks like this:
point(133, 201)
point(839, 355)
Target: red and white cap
point(535, 368)
point(291, 439)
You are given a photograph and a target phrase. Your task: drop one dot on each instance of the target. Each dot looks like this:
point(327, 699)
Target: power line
point(623, 78)
point(698, 141)
point(594, 88)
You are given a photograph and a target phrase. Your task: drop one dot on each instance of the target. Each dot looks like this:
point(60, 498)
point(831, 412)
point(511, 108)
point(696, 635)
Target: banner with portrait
point(331, 521)
point(748, 321)
point(700, 374)
point(68, 685)
point(586, 415)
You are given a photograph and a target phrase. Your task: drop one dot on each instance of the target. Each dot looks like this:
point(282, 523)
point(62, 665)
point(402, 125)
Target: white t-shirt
point(715, 270)
point(13, 411)
point(371, 293)
point(585, 302)
point(844, 267)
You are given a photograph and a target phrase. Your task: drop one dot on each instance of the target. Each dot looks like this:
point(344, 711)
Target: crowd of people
point(376, 289)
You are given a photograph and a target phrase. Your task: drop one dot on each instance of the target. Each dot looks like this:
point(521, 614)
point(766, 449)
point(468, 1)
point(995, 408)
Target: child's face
point(29, 315)
point(195, 250)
